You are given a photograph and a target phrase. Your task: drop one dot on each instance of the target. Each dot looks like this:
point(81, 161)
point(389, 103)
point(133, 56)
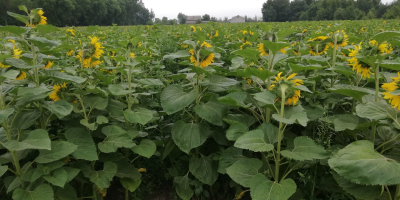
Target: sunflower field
point(295, 110)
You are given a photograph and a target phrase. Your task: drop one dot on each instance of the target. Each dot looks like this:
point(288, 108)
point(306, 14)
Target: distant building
point(192, 19)
point(237, 19)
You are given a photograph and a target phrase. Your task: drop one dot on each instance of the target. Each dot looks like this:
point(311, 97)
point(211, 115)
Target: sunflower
point(359, 66)
point(215, 34)
point(55, 94)
point(21, 76)
point(132, 55)
point(294, 95)
point(94, 49)
point(17, 53)
point(319, 48)
point(304, 31)
point(206, 45)
point(383, 48)
point(296, 48)
point(192, 29)
point(70, 52)
point(38, 19)
point(71, 31)
point(204, 62)
point(394, 100)
point(48, 65)
point(245, 45)
point(4, 66)
point(342, 39)
point(263, 51)
point(97, 47)
point(185, 46)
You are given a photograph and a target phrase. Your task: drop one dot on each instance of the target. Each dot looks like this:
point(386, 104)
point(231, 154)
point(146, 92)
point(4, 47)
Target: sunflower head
point(341, 39)
point(71, 31)
point(192, 29)
point(95, 47)
point(375, 48)
point(394, 99)
point(48, 65)
point(358, 66)
point(58, 90)
point(246, 45)
point(292, 94)
point(318, 47)
point(37, 18)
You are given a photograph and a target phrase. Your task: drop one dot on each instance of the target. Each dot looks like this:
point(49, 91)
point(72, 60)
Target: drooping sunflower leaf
point(43, 192)
point(146, 148)
point(86, 148)
point(37, 139)
point(357, 190)
point(204, 169)
point(59, 150)
point(255, 140)
point(243, 170)
point(263, 189)
point(305, 149)
point(189, 135)
point(174, 99)
point(183, 187)
point(213, 111)
point(228, 157)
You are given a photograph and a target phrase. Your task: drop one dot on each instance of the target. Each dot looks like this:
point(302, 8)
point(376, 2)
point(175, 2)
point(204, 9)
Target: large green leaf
point(95, 102)
point(140, 115)
point(116, 138)
point(37, 139)
point(43, 192)
point(236, 130)
point(183, 188)
point(234, 99)
point(267, 97)
point(189, 135)
point(295, 114)
point(43, 42)
point(59, 150)
point(127, 170)
point(130, 184)
point(385, 36)
point(4, 114)
point(358, 191)
point(204, 169)
point(213, 111)
point(284, 33)
point(25, 119)
point(21, 18)
point(359, 163)
point(275, 47)
point(43, 29)
point(300, 67)
point(178, 54)
point(219, 83)
point(249, 54)
point(13, 29)
point(66, 193)
point(174, 99)
point(60, 108)
point(86, 149)
point(3, 169)
point(228, 157)
point(352, 91)
point(347, 121)
point(305, 149)
point(118, 90)
point(263, 74)
point(65, 76)
point(375, 111)
point(255, 140)
point(103, 178)
point(243, 170)
point(263, 189)
point(146, 148)
point(58, 177)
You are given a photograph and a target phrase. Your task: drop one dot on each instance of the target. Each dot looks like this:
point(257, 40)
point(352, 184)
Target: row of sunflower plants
point(299, 110)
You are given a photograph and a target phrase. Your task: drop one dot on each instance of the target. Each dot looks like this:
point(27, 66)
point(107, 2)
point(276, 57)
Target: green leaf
point(271, 132)
point(13, 29)
point(219, 83)
point(234, 99)
point(140, 115)
point(204, 169)
point(86, 149)
point(43, 42)
point(19, 63)
point(10, 74)
point(300, 67)
point(390, 64)
point(295, 114)
point(21, 18)
point(359, 163)
point(243, 170)
point(275, 47)
point(251, 71)
point(59, 150)
point(242, 118)
point(352, 91)
point(37, 139)
point(59, 177)
point(255, 140)
point(95, 102)
point(103, 178)
point(64, 76)
point(23, 8)
point(101, 119)
point(358, 191)
point(267, 97)
point(305, 149)
point(213, 112)
point(385, 36)
point(347, 121)
point(3, 169)
point(29, 91)
point(116, 138)
point(126, 170)
point(263, 189)
point(118, 90)
point(90, 126)
point(183, 188)
point(4, 114)
point(26, 119)
point(375, 111)
point(71, 173)
point(228, 157)
point(284, 33)
point(60, 108)
point(189, 136)
point(178, 54)
point(250, 54)
point(66, 193)
point(130, 184)
point(146, 148)
point(150, 82)
point(43, 29)
point(236, 130)
point(43, 192)
point(174, 99)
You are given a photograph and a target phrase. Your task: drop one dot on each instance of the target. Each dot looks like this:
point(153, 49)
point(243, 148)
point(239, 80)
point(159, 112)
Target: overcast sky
point(215, 8)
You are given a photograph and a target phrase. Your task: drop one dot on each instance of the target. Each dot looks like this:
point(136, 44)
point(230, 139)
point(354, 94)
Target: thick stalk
point(315, 71)
point(334, 57)
point(397, 194)
point(373, 131)
point(130, 87)
point(278, 154)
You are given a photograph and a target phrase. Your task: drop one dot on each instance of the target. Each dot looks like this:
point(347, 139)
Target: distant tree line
point(314, 10)
point(81, 12)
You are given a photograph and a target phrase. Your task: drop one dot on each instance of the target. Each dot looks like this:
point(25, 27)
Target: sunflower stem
point(334, 57)
point(373, 131)
point(280, 135)
point(397, 193)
